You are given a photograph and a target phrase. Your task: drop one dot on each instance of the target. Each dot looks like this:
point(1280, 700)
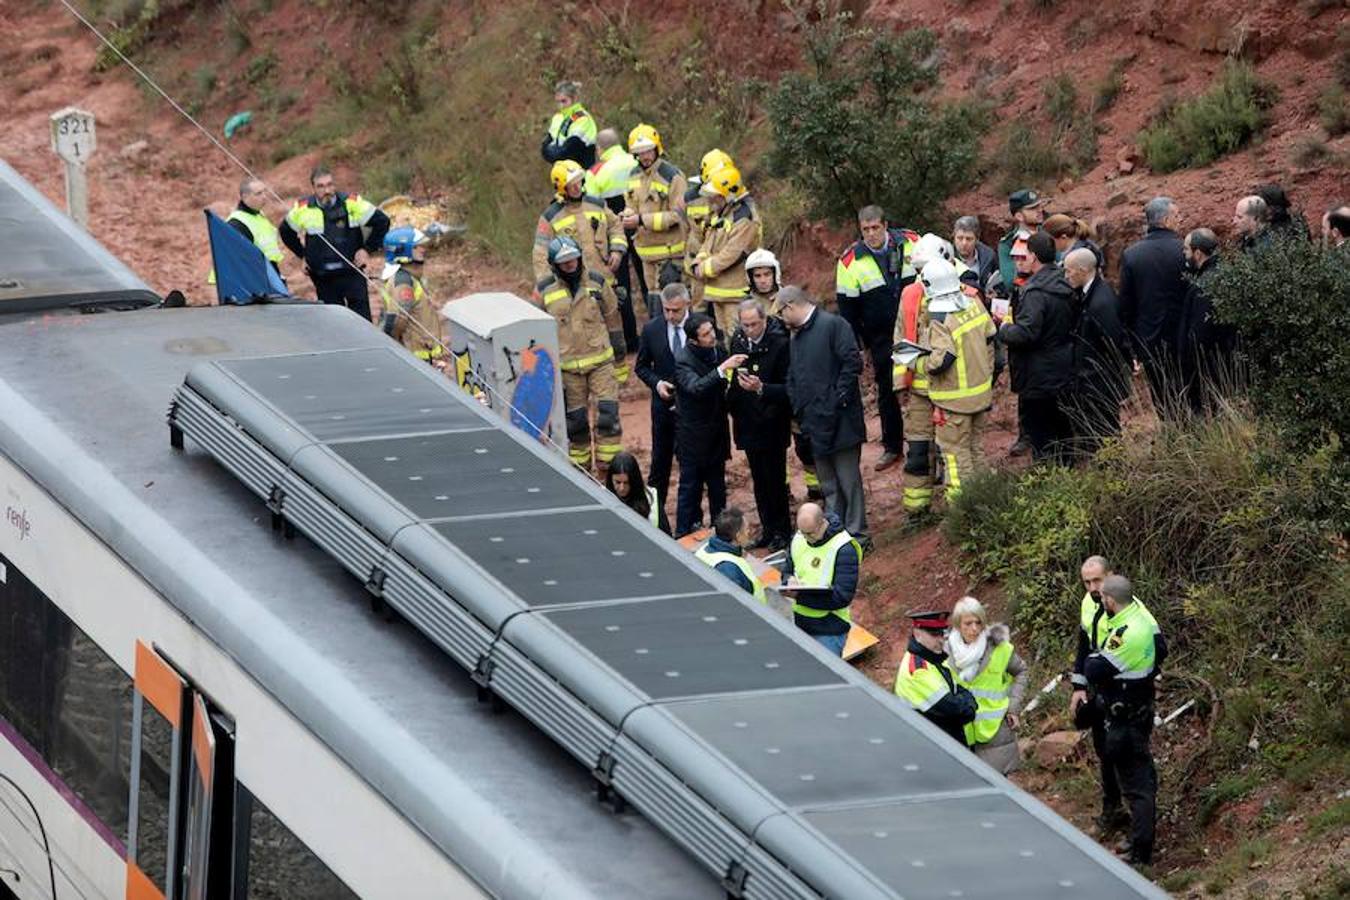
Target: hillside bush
point(862, 124)
point(1222, 532)
point(1224, 118)
point(1289, 301)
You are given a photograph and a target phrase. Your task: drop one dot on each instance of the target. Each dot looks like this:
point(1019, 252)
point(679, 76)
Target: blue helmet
point(399, 244)
point(561, 249)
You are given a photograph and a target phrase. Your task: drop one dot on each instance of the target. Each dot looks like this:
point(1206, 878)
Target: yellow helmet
point(645, 137)
point(563, 173)
point(712, 161)
point(725, 182)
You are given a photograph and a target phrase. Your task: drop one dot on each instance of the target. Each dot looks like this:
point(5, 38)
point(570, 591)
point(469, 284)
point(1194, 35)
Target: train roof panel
point(84, 400)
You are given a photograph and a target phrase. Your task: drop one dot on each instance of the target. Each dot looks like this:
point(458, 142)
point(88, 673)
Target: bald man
point(1100, 360)
point(1251, 223)
point(822, 569)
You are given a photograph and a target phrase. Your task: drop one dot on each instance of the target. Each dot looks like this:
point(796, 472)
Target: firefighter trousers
point(960, 435)
point(580, 389)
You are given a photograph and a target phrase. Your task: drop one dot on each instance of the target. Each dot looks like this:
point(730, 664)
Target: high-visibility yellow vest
point(814, 567)
point(1129, 644)
point(307, 218)
point(266, 237)
point(990, 687)
point(572, 121)
point(712, 558)
point(920, 683)
point(608, 178)
point(857, 271)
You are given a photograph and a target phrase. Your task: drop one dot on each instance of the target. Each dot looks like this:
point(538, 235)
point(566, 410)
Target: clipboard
point(906, 352)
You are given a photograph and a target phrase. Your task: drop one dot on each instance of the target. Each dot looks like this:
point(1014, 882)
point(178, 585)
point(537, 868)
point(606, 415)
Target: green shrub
point(1333, 108)
point(862, 124)
point(1107, 90)
point(1198, 131)
point(1025, 157)
point(1280, 298)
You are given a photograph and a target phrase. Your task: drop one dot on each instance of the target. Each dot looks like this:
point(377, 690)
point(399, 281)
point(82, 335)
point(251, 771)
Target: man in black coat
point(1040, 344)
point(827, 403)
point(761, 417)
point(1100, 357)
point(662, 338)
point(1152, 292)
point(702, 439)
point(1207, 347)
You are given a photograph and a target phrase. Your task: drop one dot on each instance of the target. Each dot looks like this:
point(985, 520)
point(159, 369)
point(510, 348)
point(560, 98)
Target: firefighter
point(733, 233)
point(408, 315)
point(696, 213)
point(960, 369)
point(590, 339)
point(654, 209)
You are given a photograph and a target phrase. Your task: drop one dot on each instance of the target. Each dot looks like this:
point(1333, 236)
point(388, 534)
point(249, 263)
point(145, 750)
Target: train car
point(190, 707)
point(245, 653)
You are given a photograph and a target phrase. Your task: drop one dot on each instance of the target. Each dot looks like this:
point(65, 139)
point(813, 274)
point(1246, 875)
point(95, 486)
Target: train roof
point(50, 264)
point(85, 400)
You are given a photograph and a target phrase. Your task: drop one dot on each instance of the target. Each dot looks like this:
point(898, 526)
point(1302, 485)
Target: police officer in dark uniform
point(1120, 674)
point(340, 230)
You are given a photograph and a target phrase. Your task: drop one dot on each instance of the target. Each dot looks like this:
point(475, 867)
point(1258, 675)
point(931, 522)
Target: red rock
point(1057, 748)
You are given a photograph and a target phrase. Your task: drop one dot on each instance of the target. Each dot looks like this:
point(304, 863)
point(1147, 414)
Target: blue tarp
point(243, 274)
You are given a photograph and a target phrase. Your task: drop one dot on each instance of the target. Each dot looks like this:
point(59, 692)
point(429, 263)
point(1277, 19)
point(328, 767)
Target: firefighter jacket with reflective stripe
point(657, 196)
point(696, 213)
point(349, 224)
point(730, 237)
point(595, 229)
point(967, 385)
point(422, 341)
point(991, 689)
point(714, 558)
point(608, 178)
point(590, 332)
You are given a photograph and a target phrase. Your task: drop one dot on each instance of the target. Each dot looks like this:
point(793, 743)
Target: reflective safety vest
point(608, 178)
point(307, 218)
point(712, 558)
point(857, 271)
point(419, 310)
point(967, 385)
point(920, 683)
point(1129, 643)
point(1095, 622)
point(572, 121)
point(266, 237)
point(814, 567)
point(654, 507)
point(656, 195)
point(990, 688)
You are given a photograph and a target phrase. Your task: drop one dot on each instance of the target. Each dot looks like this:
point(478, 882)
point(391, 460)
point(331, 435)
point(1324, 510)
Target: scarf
point(965, 657)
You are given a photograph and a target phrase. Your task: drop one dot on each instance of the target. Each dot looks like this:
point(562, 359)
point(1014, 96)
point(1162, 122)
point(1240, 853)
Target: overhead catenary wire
point(540, 428)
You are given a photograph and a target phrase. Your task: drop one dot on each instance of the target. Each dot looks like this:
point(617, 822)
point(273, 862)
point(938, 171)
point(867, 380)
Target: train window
point(277, 864)
point(67, 699)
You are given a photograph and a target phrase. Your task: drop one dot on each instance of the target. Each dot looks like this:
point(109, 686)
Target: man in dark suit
point(1100, 356)
point(1207, 347)
point(761, 417)
point(1152, 294)
point(825, 364)
point(662, 338)
point(702, 439)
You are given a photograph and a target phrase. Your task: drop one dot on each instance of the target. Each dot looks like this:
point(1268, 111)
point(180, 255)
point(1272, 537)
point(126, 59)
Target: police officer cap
point(929, 619)
point(1022, 199)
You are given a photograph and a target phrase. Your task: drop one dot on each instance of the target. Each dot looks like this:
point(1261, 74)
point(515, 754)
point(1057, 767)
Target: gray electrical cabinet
point(506, 353)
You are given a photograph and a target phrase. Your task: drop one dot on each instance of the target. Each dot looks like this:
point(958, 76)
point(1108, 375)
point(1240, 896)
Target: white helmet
point(931, 247)
point(763, 259)
point(943, 287)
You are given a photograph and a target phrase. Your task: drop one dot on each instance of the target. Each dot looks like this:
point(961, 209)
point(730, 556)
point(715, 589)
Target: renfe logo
point(19, 520)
